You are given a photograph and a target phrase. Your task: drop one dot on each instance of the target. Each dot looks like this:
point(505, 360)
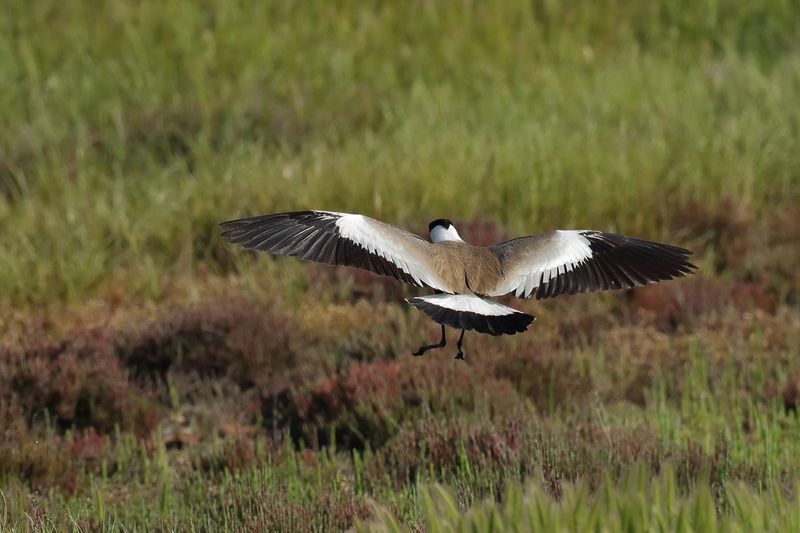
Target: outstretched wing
point(339, 239)
point(568, 262)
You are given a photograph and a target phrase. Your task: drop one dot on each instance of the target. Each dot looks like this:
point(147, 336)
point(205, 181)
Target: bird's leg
point(424, 348)
point(460, 354)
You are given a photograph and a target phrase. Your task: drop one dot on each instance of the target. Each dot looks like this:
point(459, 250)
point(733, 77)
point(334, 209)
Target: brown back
point(465, 268)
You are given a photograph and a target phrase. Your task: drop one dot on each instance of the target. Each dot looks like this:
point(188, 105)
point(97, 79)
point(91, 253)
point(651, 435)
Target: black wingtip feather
point(620, 262)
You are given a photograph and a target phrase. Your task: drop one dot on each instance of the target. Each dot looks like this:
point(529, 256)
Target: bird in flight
point(463, 276)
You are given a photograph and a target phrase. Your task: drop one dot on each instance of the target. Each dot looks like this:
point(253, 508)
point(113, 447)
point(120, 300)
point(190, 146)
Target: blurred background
point(153, 377)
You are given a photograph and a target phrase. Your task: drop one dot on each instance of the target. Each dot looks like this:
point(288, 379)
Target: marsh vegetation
point(154, 378)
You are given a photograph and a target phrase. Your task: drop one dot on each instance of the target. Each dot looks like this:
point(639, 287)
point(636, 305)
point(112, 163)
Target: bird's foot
point(460, 354)
point(425, 347)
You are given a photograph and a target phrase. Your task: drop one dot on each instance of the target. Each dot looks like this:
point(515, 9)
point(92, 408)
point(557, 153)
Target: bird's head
point(442, 230)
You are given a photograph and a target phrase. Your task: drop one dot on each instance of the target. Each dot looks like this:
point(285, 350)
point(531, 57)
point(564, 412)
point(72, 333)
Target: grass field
point(154, 378)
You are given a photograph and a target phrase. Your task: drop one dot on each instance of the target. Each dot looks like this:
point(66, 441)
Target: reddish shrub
point(45, 460)
point(324, 513)
point(724, 227)
point(756, 249)
point(791, 395)
point(368, 402)
point(435, 446)
point(549, 378)
point(683, 302)
point(79, 381)
point(235, 338)
point(236, 454)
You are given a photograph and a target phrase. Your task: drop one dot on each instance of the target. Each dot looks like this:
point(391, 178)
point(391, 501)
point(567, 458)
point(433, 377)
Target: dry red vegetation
point(236, 369)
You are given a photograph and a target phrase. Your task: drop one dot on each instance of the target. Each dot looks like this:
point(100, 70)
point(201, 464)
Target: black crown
point(439, 222)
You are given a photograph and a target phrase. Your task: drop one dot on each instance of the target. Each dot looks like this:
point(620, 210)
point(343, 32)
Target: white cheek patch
point(441, 234)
